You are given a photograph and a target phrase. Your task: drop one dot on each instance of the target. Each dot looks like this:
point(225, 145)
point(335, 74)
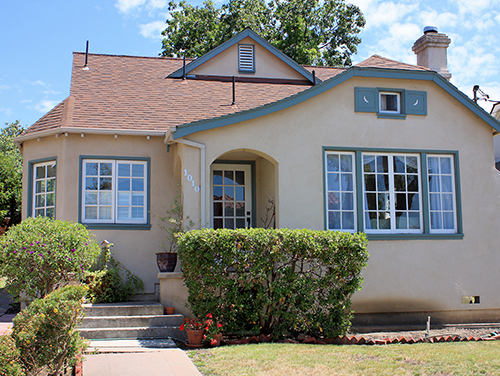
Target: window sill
point(382, 115)
point(117, 226)
point(415, 236)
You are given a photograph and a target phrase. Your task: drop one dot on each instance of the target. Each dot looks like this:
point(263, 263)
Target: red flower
point(209, 315)
point(213, 341)
point(219, 325)
point(182, 327)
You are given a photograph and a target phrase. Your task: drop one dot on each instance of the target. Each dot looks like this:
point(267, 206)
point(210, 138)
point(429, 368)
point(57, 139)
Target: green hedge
point(282, 281)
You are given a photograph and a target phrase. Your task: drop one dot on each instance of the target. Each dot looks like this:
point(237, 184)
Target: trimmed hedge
point(283, 282)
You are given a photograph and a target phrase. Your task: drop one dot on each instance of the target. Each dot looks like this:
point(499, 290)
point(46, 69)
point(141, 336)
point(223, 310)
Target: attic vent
point(246, 60)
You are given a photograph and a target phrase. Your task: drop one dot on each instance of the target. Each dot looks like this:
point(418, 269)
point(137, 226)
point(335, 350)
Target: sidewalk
point(136, 358)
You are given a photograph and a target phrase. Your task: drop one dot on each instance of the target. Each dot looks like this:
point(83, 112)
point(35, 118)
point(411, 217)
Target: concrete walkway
point(136, 358)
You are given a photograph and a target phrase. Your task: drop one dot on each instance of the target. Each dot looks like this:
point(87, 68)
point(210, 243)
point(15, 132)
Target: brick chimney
point(431, 51)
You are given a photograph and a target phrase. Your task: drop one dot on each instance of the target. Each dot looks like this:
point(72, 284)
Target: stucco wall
point(135, 249)
point(402, 275)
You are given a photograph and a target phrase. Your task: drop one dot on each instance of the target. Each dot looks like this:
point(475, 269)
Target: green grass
point(465, 358)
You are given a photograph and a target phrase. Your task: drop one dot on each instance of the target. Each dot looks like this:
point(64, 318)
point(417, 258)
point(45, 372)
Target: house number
point(190, 178)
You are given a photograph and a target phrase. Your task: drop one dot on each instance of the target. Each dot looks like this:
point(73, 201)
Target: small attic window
point(246, 58)
point(389, 103)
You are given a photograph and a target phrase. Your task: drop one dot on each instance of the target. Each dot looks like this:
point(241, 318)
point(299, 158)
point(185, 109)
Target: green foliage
point(173, 223)
point(274, 281)
point(9, 357)
point(311, 32)
point(40, 253)
point(110, 281)
point(11, 170)
point(45, 333)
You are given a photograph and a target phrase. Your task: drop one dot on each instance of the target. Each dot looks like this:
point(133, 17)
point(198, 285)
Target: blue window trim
point(116, 226)
point(425, 197)
point(29, 209)
point(254, 183)
point(253, 57)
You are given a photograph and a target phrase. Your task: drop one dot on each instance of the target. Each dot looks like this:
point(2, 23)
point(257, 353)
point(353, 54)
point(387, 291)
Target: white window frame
point(45, 181)
point(114, 192)
point(341, 191)
point(440, 192)
point(398, 102)
point(392, 195)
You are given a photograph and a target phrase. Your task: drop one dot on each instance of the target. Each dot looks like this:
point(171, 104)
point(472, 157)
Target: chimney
point(431, 51)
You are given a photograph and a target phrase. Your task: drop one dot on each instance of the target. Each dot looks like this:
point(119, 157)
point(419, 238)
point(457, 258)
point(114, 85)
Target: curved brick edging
point(361, 340)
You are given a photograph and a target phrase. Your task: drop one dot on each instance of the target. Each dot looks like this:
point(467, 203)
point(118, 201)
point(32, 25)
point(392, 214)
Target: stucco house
point(387, 148)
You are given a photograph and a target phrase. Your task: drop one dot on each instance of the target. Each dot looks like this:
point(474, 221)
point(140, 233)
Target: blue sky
point(37, 39)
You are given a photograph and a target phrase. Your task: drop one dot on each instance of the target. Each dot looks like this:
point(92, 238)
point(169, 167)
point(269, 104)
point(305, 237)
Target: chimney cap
point(430, 29)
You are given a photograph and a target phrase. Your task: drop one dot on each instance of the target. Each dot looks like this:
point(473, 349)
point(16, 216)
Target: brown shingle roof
point(133, 93)
point(377, 61)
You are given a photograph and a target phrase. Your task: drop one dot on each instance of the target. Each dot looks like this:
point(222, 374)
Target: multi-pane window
point(441, 193)
point(392, 192)
point(340, 183)
point(229, 207)
point(44, 192)
point(114, 191)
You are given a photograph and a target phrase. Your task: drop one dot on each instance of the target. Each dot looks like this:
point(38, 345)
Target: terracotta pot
point(169, 310)
point(195, 337)
point(166, 261)
point(218, 338)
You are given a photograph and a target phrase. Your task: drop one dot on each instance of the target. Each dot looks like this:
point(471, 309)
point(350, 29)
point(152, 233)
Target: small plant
point(192, 324)
point(212, 328)
point(40, 254)
point(45, 333)
point(173, 224)
point(110, 281)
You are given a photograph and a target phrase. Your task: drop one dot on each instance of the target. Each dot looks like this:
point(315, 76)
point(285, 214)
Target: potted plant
point(213, 331)
point(195, 332)
point(173, 224)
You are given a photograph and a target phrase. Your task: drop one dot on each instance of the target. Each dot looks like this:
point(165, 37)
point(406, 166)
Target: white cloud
point(126, 6)
point(387, 13)
point(441, 20)
point(36, 83)
point(152, 30)
point(46, 105)
point(397, 41)
point(4, 87)
point(157, 3)
point(7, 111)
point(475, 6)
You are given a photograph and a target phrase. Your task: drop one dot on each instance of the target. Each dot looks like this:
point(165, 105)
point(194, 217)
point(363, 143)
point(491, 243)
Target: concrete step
point(124, 309)
point(137, 332)
point(131, 321)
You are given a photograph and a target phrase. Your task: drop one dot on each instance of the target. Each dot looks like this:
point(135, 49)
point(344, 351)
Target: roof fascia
point(203, 125)
point(119, 132)
point(236, 39)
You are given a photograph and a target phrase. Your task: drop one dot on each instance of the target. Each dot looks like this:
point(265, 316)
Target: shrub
point(274, 281)
point(9, 357)
point(40, 253)
point(45, 333)
point(110, 281)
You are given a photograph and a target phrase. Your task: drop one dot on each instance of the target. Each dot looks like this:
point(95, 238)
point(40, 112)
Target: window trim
point(427, 234)
point(31, 166)
point(398, 102)
point(113, 225)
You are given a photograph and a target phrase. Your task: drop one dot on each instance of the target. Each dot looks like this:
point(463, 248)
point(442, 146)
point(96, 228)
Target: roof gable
point(410, 74)
point(284, 67)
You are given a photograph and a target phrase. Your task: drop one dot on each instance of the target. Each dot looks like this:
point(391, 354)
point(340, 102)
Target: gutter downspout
point(203, 172)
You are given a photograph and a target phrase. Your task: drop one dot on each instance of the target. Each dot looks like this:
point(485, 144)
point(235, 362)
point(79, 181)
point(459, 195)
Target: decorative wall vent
point(246, 58)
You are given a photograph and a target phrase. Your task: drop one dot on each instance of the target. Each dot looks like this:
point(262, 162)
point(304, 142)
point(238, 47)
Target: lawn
point(464, 358)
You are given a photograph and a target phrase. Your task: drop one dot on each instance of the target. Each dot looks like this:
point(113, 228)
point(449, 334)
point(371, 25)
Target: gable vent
point(246, 61)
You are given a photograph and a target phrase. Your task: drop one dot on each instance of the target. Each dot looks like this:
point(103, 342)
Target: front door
point(231, 196)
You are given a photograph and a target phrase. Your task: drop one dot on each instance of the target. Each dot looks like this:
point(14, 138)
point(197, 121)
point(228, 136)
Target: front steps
point(133, 320)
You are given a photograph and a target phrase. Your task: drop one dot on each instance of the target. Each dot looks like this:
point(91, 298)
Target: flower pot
point(169, 310)
point(166, 261)
point(195, 337)
point(216, 341)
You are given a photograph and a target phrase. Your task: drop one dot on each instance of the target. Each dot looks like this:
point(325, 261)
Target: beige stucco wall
point(135, 249)
point(267, 65)
point(402, 275)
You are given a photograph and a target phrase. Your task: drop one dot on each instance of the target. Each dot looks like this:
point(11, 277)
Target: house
point(391, 149)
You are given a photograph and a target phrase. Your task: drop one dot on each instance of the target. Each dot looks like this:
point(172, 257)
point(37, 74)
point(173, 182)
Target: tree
point(311, 32)
point(11, 170)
